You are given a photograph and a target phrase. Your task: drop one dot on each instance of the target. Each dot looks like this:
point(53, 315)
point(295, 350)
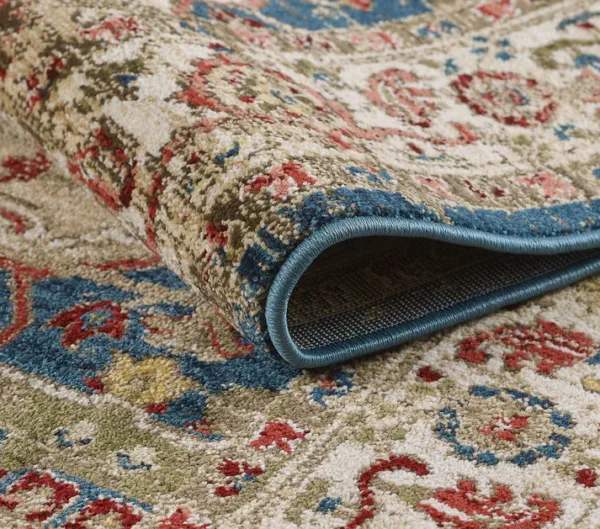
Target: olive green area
point(32, 418)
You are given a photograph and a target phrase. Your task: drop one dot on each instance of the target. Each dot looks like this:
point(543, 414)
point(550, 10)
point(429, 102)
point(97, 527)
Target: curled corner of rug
point(362, 285)
point(463, 190)
point(198, 200)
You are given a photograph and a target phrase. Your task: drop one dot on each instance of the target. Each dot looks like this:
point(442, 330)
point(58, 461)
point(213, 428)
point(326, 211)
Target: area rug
point(313, 182)
point(336, 179)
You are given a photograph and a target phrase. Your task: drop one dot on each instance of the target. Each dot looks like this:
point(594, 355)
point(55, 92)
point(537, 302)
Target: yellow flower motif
point(147, 381)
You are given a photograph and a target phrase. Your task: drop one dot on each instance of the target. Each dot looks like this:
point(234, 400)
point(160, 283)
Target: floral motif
point(222, 134)
point(546, 345)
point(507, 97)
point(181, 519)
point(281, 434)
point(239, 475)
point(25, 169)
point(428, 374)
point(513, 432)
point(81, 322)
point(107, 512)
point(111, 29)
point(505, 428)
point(58, 494)
point(365, 483)
point(589, 83)
point(276, 124)
point(464, 507)
point(398, 92)
point(587, 477)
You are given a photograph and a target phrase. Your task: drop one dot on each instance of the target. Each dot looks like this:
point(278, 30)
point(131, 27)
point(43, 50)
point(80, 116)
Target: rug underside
point(368, 285)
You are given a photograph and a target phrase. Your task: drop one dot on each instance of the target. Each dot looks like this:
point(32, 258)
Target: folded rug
point(335, 178)
point(127, 403)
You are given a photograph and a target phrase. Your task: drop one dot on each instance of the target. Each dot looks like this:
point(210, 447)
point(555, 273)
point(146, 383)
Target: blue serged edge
point(308, 250)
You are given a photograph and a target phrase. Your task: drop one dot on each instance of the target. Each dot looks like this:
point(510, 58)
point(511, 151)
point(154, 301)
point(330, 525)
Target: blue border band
point(342, 230)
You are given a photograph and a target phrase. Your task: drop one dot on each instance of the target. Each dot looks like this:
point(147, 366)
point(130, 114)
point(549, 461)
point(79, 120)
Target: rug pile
point(186, 192)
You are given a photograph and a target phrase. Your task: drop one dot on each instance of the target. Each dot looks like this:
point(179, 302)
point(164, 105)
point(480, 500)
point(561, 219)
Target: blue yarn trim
point(345, 229)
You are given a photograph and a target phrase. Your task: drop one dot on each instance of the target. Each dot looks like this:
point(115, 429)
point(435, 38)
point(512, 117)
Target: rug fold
point(330, 201)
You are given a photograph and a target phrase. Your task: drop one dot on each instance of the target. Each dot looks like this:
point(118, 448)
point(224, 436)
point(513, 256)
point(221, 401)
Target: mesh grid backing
point(365, 285)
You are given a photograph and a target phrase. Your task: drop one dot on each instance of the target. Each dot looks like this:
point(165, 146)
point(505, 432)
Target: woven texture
point(127, 403)
point(223, 135)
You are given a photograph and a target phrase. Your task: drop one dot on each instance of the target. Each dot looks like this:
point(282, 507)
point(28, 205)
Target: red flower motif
point(156, 408)
point(105, 507)
point(239, 473)
point(95, 385)
point(215, 235)
point(36, 485)
point(281, 180)
point(229, 468)
point(81, 322)
point(549, 345)
point(587, 477)
point(438, 186)
point(38, 83)
point(202, 426)
point(236, 468)
point(217, 239)
point(589, 87)
point(17, 220)
point(506, 429)
point(104, 147)
point(278, 433)
point(25, 169)
point(463, 507)
point(507, 97)
point(590, 80)
point(429, 375)
point(408, 101)
point(197, 93)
